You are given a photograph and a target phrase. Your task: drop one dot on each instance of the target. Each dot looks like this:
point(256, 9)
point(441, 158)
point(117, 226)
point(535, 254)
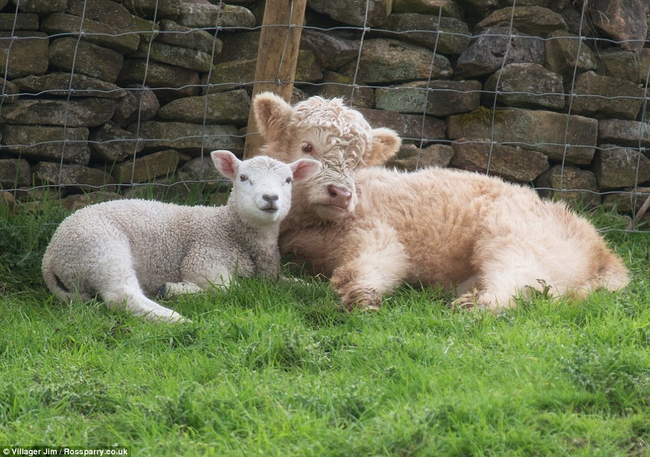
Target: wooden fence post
point(277, 58)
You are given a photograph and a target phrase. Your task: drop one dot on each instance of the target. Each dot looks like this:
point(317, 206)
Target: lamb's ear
point(304, 168)
point(385, 144)
point(272, 114)
point(226, 162)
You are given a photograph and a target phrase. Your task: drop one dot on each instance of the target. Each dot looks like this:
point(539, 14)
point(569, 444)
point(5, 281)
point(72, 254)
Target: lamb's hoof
point(178, 319)
point(162, 291)
point(164, 318)
point(175, 319)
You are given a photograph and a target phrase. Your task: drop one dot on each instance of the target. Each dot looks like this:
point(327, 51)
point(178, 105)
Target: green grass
point(276, 369)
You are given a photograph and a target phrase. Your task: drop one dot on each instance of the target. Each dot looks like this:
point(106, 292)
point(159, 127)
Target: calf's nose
point(339, 196)
point(270, 197)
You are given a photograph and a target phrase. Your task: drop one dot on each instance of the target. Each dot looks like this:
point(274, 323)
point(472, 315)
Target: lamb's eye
point(307, 148)
point(288, 180)
point(243, 178)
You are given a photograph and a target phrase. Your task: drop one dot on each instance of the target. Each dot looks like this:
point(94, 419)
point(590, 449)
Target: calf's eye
point(243, 178)
point(307, 148)
point(288, 180)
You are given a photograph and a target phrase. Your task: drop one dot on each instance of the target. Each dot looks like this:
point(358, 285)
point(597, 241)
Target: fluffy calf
point(124, 250)
point(369, 228)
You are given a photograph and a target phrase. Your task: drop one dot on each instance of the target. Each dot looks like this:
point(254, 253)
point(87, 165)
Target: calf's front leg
point(375, 263)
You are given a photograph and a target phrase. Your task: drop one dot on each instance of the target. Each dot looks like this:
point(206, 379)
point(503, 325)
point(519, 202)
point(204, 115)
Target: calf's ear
point(385, 144)
point(304, 168)
point(226, 163)
point(272, 114)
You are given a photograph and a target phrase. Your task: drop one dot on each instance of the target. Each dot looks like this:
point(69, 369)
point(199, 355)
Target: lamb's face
point(262, 191)
point(325, 130)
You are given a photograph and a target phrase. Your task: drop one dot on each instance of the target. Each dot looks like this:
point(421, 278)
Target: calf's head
point(330, 132)
point(261, 192)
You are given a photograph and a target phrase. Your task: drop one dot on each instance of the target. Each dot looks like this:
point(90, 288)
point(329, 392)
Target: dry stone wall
point(105, 95)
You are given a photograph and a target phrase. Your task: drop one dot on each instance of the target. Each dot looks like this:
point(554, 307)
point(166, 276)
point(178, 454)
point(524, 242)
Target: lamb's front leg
point(170, 289)
point(267, 263)
point(195, 278)
point(376, 264)
point(198, 284)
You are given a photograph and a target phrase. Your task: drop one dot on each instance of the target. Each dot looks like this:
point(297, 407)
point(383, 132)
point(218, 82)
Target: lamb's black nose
point(270, 198)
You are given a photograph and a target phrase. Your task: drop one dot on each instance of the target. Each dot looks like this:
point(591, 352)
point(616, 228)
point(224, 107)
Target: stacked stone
point(532, 94)
point(102, 94)
point(83, 88)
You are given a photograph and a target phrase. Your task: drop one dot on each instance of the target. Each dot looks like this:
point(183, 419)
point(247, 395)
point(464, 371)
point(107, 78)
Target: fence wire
point(141, 144)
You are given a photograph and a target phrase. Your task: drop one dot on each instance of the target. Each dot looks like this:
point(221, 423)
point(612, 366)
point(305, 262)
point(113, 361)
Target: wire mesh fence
point(110, 97)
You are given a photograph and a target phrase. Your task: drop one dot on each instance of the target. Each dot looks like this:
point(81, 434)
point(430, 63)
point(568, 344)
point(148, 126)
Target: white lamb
point(123, 250)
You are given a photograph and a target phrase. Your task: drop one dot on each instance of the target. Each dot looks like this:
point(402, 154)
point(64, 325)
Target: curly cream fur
point(484, 238)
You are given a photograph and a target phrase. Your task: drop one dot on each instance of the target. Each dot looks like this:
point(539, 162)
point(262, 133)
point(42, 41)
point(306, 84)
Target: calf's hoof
point(363, 301)
point(368, 308)
point(469, 301)
point(472, 301)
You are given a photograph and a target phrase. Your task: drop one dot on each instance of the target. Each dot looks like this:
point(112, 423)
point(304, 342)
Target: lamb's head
point(261, 192)
point(326, 130)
